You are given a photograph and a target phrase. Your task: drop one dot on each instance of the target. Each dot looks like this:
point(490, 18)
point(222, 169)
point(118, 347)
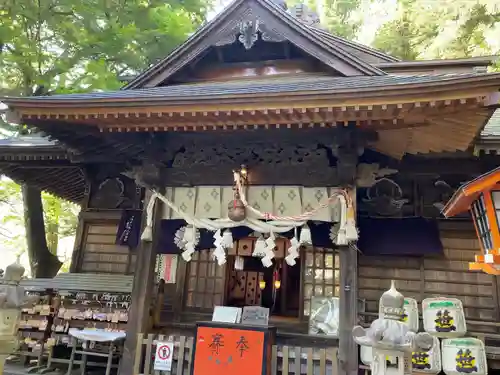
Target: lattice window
point(205, 282)
point(321, 275)
point(482, 223)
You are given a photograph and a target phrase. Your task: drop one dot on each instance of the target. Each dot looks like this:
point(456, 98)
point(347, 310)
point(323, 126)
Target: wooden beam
point(273, 174)
point(141, 292)
point(422, 166)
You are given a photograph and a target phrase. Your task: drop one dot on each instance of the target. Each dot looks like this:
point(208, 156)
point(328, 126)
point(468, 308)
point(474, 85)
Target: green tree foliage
point(61, 46)
point(66, 46)
point(342, 17)
point(425, 29)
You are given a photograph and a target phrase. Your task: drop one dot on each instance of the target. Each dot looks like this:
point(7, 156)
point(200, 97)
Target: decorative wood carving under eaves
point(258, 153)
point(247, 30)
point(113, 192)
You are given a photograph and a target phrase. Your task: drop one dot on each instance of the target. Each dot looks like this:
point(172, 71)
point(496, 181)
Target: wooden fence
point(298, 360)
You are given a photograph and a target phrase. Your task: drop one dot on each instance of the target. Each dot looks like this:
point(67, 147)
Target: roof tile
point(492, 128)
point(252, 87)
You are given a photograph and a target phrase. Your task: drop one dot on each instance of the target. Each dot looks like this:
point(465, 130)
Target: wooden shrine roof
point(362, 51)
point(43, 164)
point(31, 148)
point(344, 83)
point(412, 113)
point(489, 140)
point(492, 128)
point(279, 25)
point(312, 85)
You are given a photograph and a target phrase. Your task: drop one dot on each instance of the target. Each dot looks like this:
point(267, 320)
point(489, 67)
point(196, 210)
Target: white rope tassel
point(351, 231)
point(147, 233)
point(341, 236)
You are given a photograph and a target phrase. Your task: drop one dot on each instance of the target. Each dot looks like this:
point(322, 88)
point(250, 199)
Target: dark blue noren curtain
point(129, 229)
point(412, 236)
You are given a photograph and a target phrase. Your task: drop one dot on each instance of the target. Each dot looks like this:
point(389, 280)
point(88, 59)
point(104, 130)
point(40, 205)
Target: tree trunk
point(52, 217)
point(42, 262)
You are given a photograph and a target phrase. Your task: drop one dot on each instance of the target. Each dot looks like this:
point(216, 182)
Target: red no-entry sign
point(163, 357)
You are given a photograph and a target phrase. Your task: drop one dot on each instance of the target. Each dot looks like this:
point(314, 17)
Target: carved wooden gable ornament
point(246, 21)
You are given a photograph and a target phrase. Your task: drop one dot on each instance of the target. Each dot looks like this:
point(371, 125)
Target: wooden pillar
point(76, 257)
point(348, 312)
point(142, 291)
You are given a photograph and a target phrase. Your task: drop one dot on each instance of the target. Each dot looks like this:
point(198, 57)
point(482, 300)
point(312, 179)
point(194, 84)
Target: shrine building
point(266, 162)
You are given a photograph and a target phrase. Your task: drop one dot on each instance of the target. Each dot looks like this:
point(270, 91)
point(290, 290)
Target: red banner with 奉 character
point(227, 351)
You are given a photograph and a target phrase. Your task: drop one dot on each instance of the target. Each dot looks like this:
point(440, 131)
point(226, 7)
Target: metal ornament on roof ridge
point(305, 15)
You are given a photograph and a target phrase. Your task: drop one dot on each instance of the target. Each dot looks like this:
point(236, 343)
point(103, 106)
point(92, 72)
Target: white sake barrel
point(410, 315)
point(444, 317)
point(464, 356)
point(428, 361)
point(366, 356)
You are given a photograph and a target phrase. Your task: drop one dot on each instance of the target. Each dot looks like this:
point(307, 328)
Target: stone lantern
point(12, 299)
point(390, 338)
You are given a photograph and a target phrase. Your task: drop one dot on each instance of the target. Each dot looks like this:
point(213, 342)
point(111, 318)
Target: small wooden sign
point(255, 315)
point(226, 314)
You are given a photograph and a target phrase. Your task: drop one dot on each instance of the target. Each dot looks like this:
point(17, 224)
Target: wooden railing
point(298, 360)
